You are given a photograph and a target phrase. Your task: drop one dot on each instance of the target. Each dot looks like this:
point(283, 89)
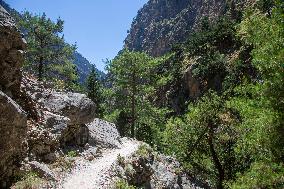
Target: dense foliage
point(129, 100)
point(231, 135)
point(235, 139)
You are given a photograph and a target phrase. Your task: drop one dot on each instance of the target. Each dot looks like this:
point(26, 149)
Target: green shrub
point(30, 181)
point(144, 151)
point(72, 153)
point(122, 184)
point(121, 160)
point(261, 175)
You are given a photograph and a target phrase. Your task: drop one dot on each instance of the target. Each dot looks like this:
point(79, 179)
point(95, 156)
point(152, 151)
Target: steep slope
point(162, 23)
point(84, 67)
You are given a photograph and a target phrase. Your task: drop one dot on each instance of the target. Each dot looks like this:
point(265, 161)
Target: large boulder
point(11, 50)
point(80, 111)
point(103, 133)
point(77, 107)
point(13, 124)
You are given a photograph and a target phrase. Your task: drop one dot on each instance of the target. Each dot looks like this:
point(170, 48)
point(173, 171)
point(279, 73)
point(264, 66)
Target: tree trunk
point(133, 117)
point(192, 148)
point(217, 163)
point(40, 69)
point(133, 104)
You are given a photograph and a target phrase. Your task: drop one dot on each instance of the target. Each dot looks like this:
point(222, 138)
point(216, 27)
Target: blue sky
point(98, 26)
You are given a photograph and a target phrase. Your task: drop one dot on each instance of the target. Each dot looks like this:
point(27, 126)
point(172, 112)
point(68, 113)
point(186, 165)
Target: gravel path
point(95, 174)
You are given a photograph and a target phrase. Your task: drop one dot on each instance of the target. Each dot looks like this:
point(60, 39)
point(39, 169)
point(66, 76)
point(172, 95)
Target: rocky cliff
point(13, 119)
point(11, 50)
point(163, 23)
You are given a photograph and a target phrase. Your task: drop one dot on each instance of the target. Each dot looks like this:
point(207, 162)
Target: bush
point(29, 181)
point(122, 184)
point(72, 153)
point(144, 151)
point(261, 175)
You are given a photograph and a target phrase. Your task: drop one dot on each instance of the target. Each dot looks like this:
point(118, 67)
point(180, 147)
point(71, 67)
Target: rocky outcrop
point(11, 50)
point(43, 141)
point(193, 86)
point(13, 124)
point(71, 111)
point(163, 23)
point(149, 169)
point(62, 119)
point(103, 133)
point(77, 107)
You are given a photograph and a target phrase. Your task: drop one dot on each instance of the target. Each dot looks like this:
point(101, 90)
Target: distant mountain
point(84, 68)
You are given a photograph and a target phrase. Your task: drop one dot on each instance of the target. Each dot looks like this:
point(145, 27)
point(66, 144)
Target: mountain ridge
point(162, 23)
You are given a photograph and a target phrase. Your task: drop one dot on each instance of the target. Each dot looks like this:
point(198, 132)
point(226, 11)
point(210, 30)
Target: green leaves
point(261, 175)
point(188, 137)
point(48, 55)
point(210, 65)
point(130, 105)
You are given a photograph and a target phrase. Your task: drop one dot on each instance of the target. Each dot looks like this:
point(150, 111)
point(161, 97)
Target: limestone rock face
point(45, 137)
point(11, 50)
point(13, 123)
point(103, 133)
point(195, 87)
point(162, 23)
point(13, 120)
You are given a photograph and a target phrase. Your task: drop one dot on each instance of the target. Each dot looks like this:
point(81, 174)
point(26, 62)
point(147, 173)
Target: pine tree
point(94, 90)
point(131, 74)
point(48, 55)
